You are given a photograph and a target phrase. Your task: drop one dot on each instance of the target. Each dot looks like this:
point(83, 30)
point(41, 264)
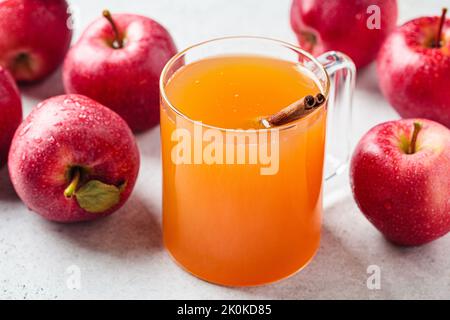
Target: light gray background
point(122, 256)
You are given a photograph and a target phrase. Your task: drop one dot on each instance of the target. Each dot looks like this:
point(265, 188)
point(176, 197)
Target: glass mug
point(230, 224)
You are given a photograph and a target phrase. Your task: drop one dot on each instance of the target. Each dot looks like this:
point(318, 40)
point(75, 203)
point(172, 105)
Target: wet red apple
point(118, 61)
point(355, 27)
point(414, 69)
point(34, 37)
point(400, 177)
point(73, 159)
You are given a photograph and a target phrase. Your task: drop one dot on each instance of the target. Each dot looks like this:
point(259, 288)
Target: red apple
point(414, 69)
point(10, 112)
point(400, 177)
point(347, 26)
point(118, 61)
point(34, 37)
point(73, 159)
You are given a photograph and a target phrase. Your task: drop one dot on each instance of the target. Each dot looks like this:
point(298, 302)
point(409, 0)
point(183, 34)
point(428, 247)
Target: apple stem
point(72, 187)
point(441, 27)
point(412, 145)
point(118, 41)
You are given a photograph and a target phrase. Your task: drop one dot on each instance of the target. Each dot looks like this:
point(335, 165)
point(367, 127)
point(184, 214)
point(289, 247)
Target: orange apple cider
point(226, 222)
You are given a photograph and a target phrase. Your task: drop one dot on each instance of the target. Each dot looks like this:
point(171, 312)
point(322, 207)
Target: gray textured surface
point(122, 256)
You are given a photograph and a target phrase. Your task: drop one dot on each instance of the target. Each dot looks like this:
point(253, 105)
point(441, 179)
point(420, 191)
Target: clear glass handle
point(342, 73)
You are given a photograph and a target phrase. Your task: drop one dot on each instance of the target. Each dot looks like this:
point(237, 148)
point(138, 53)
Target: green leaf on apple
point(96, 196)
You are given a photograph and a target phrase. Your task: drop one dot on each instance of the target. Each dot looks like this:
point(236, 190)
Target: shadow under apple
point(44, 89)
point(149, 143)
point(7, 192)
point(130, 232)
point(349, 245)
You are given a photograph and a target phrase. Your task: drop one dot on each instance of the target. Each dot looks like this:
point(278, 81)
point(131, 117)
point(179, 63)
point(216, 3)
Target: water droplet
point(25, 129)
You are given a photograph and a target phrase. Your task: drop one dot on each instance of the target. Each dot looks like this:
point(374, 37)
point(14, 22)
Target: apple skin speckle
point(53, 139)
point(405, 196)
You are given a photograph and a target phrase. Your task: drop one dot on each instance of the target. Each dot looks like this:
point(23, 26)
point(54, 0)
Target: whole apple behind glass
point(118, 61)
point(10, 112)
point(355, 27)
point(414, 69)
point(400, 177)
point(73, 159)
point(34, 37)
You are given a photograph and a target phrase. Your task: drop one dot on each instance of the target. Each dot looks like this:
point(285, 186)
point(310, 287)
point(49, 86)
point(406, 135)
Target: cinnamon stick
point(294, 111)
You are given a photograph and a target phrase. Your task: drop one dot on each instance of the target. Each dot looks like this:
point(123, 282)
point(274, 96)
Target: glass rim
point(288, 45)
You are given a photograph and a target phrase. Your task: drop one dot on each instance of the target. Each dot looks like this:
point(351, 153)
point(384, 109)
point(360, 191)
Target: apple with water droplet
point(10, 112)
point(355, 27)
point(117, 61)
point(73, 159)
point(34, 37)
point(414, 69)
point(400, 177)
